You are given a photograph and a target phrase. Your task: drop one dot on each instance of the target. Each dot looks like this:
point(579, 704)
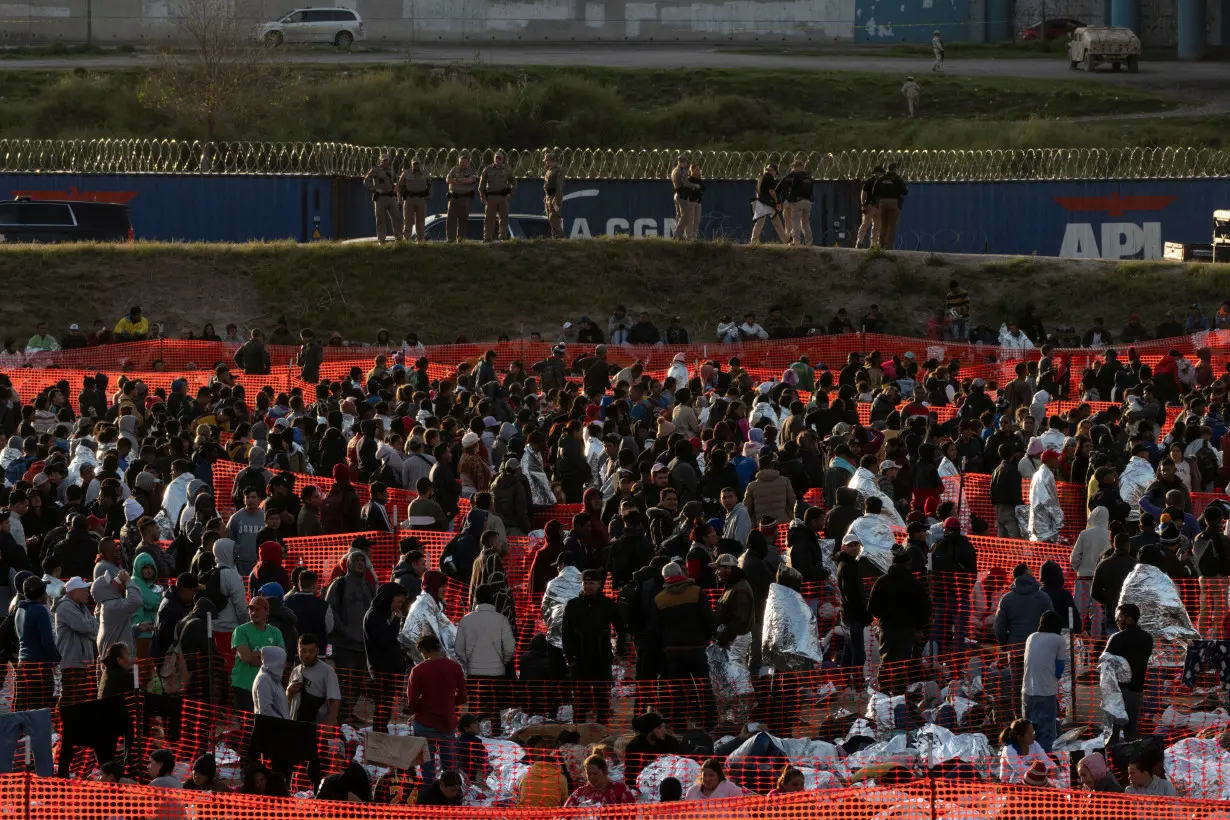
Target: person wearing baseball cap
point(76, 636)
point(74, 339)
point(854, 614)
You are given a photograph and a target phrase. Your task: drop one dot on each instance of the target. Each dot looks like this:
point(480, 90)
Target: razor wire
point(168, 156)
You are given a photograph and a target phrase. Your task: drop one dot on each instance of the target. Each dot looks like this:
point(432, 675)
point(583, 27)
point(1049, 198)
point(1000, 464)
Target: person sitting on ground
point(1146, 776)
point(712, 783)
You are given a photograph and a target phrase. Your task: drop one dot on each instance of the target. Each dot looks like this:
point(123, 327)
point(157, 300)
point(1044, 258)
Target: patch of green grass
point(528, 107)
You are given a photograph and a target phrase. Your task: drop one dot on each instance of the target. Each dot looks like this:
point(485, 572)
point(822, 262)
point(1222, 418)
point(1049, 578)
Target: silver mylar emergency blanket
point(876, 536)
point(1162, 613)
point(426, 615)
point(729, 668)
point(791, 640)
point(1113, 671)
point(683, 769)
point(864, 483)
point(560, 590)
point(1045, 515)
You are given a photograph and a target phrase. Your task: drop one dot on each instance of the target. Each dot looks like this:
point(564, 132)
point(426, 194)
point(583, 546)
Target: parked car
point(26, 220)
point(341, 27)
point(1057, 28)
point(1092, 45)
point(520, 226)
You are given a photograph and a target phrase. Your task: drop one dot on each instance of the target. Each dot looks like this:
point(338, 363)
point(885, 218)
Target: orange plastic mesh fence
point(178, 355)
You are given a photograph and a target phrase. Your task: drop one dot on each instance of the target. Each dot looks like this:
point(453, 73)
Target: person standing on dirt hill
point(553, 194)
point(253, 357)
point(380, 182)
point(495, 186)
point(890, 190)
point(912, 91)
point(937, 48)
point(413, 189)
point(871, 211)
point(461, 181)
point(684, 188)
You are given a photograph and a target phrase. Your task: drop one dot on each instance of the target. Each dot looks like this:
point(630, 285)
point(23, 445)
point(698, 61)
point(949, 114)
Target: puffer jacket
point(485, 642)
point(1019, 611)
point(511, 502)
point(769, 494)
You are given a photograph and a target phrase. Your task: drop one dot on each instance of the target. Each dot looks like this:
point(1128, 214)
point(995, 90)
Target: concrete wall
point(791, 21)
point(399, 21)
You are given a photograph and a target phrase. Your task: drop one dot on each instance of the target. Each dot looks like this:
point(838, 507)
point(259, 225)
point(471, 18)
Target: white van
point(341, 27)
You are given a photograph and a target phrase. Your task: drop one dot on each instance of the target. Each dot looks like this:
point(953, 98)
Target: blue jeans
point(445, 742)
point(1043, 712)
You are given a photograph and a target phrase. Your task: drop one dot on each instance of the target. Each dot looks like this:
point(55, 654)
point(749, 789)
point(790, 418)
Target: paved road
point(1164, 74)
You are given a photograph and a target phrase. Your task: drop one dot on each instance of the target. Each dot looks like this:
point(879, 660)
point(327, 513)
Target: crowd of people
point(116, 550)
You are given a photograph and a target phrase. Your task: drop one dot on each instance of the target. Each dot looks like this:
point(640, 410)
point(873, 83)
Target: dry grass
point(481, 291)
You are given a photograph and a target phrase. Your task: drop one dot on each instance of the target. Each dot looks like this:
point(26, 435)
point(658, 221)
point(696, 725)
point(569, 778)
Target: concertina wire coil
point(168, 156)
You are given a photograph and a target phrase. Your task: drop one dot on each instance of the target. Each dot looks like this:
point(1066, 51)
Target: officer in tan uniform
point(553, 194)
point(495, 186)
point(380, 182)
point(414, 188)
point(461, 181)
point(685, 228)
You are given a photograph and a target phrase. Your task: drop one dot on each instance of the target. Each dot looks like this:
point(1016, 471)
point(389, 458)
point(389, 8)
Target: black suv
point(44, 220)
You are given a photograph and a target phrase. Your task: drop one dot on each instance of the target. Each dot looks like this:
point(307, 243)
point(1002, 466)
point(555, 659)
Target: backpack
point(247, 477)
point(174, 672)
point(213, 590)
point(1206, 462)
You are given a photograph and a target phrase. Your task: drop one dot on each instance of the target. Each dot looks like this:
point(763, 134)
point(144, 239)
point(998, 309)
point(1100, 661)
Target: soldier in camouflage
point(553, 194)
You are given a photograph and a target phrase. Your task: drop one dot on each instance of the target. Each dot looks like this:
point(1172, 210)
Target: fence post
point(931, 798)
point(25, 788)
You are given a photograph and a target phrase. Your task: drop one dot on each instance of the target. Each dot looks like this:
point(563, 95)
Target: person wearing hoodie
point(117, 675)
point(410, 568)
point(230, 599)
point(1043, 659)
point(163, 561)
point(268, 696)
point(282, 617)
point(177, 601)
point(805, 553)
point(511, 499)
point(485, 649)
point(1090, 545)
point(386, 662)
point(269, 568)
point(734, 620)
point(838, 519)
point(1019, 609)
point(954, 567)
point(117, 599)
point(34, 684)
point(349, 598)
point(457, 559)
point(770, 493)
point(683, 622)
point(200, 651)
point(1062, 602)
point(145, 575)
point(76, 632)
point(248, 640)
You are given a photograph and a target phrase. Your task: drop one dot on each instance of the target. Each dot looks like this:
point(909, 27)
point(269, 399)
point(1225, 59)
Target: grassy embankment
point(443, 292)
point(516, 107)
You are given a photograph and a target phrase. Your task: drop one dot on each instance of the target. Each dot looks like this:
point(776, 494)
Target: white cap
point(850, 538)
point(888, 465)
point(74, 326)
point(469, 439)
point(75, 583)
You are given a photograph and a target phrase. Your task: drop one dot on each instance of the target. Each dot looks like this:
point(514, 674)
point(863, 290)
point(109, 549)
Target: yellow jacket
point(543, 786)
point(130, 328)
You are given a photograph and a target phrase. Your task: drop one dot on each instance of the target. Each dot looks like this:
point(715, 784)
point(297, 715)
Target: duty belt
point(377, 194)
point(504, 192)
point(460, 195)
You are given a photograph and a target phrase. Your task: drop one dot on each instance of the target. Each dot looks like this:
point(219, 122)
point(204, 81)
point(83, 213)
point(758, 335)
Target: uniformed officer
point(797, 188)
point(414, 188)
point(890, 190)
point(461, 181)
point(765, 206)
point(869, 228)
point(380, 182)
point(495, 186)
point(553, 194)
point(684, 227)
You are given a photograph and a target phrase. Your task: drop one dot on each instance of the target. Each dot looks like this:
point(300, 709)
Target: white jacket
point(678, 371)
point(485, 642)
point(175, 496)
point(1017, 342)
